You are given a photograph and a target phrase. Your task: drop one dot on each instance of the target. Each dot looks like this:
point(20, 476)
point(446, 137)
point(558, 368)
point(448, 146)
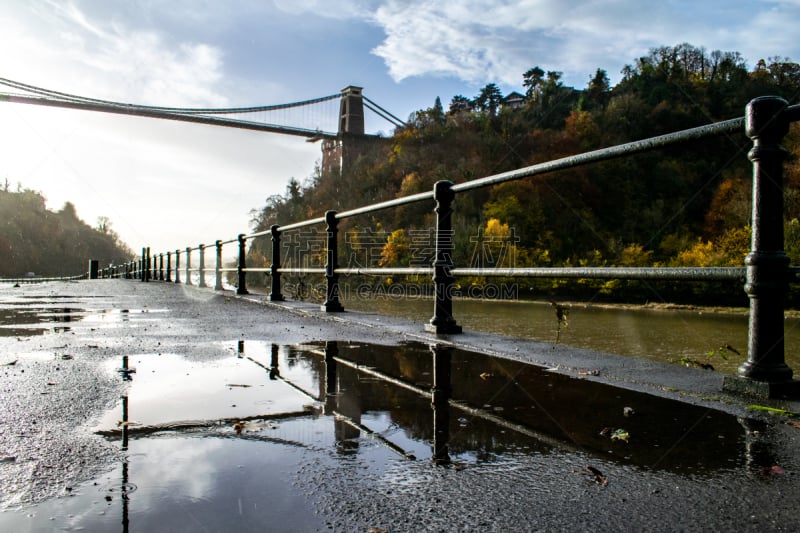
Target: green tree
point(598, 93)
point(489, 99)
point(459, 104)
point(532, 80)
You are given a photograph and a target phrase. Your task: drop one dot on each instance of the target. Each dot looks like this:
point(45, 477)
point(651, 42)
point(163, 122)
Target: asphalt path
point(56, 385)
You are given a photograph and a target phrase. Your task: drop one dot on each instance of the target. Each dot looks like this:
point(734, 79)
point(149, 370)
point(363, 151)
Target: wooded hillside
point(51, 243)
point(683, 206)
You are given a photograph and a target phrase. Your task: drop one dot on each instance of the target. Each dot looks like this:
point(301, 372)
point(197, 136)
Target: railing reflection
point(431, 393)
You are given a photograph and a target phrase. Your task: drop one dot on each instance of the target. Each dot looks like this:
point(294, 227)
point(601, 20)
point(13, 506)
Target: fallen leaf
point(620, 434)
point(793, 423)
point(12, 363)
point(595, 475)
point(773, 410)
point(51, 383)
point(774, 470)
point(732, 349)
point(628, 411)
point(485, 376)
point(588, 372)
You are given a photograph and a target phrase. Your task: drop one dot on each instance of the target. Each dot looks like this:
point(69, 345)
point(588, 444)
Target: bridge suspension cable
point(381, 112)
point(189, 110)
point(32, 94)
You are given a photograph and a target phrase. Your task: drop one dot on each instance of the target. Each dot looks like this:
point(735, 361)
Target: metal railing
point(43, 279)
point(766, 272)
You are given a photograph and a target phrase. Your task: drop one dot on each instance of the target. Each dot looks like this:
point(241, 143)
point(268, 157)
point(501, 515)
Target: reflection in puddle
point(220, 442)
point(182, 484)
point(170, 389)
point(25, 320)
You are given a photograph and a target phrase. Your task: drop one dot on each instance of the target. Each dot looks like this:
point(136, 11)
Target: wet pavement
point(160, 407)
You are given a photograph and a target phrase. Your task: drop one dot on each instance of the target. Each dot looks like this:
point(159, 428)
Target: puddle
point(168, 389)
point(27, 320)
point(181, 484)
point(225, 443)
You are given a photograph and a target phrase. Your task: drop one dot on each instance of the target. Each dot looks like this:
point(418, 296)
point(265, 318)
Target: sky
point(169, 185)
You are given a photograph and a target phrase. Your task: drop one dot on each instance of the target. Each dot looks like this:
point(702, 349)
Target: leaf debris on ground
point(595, 475)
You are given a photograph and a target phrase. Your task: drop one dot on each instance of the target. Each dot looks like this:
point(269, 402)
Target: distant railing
point(766, 272)
point(42, 279)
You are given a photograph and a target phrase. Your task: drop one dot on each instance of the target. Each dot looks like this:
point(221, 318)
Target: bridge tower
point(339, 154)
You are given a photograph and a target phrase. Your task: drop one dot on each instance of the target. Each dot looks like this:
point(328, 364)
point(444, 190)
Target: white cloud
point(488, 40)
point(107, 59)
point(341, 9)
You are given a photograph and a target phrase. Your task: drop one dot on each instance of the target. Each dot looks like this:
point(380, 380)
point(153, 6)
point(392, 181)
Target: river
point(667, 335)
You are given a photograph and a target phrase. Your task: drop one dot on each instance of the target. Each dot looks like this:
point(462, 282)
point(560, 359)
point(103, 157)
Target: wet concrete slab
point(204, 411)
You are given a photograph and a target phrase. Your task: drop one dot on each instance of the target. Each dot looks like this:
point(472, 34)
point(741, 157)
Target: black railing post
point(149, 273)
point(765, 372)
point(218, 266)
point(242, 265)
point(177, 266)
point(275, 276)
point(169, 267)
point(202, 265)
point(188, 265)
point(160, 267)
point(443, 321)
point(94, 269)
point(142, 264)
point(332, 303)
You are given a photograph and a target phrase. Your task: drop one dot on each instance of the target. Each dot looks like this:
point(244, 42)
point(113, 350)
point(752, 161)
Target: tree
point(489, 99)
point(103, 225)
point(459, 103)
point(437, 112)
point(395, 251)
point(598, 93)
point(532, 79)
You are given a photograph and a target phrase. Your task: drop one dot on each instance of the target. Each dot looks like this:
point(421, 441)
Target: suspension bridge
point(342, 133)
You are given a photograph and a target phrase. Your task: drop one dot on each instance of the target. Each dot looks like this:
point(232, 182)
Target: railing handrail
point(42, 279)
point(564, 163)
